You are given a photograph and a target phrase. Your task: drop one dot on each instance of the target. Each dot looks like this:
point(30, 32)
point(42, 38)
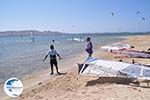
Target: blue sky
point(75, 15)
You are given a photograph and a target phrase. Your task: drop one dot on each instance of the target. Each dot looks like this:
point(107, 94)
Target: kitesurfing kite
point(125, 50)
point(143, 18)
point(112, 14)
point(138, 12)
point(93, 66)
point(132, 53)
point(118, 46)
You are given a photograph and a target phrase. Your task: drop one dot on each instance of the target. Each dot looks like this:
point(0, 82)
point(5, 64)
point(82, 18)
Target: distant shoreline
point(27, 32)
point(35, 32)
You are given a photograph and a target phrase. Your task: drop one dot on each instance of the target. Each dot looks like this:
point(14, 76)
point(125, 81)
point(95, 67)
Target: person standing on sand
point(89, 47)
point(52, 53)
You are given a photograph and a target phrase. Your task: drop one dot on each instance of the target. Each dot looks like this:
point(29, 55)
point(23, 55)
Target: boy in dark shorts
point(53, 60)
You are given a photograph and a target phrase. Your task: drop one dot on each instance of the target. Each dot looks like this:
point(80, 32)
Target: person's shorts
point(53, 62)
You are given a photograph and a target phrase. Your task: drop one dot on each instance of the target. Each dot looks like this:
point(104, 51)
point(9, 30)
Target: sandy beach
point(72, 86)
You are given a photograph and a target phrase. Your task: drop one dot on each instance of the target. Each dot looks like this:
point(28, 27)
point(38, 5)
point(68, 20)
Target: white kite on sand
point(125, 50)
point(94, 66)
point(116, 47)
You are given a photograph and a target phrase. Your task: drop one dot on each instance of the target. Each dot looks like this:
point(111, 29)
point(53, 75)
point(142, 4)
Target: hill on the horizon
point(27, 32)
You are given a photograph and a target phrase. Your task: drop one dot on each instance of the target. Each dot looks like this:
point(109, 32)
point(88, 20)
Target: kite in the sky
point(138, 12)
point(112, 14)
point(143, 18)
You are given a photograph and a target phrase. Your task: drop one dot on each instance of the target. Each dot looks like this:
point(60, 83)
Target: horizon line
point(75, 32)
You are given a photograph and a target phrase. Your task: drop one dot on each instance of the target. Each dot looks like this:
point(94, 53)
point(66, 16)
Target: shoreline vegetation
point(72, 86)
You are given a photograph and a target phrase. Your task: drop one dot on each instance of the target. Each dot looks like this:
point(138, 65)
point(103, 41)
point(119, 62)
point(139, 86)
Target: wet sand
point(72, 86)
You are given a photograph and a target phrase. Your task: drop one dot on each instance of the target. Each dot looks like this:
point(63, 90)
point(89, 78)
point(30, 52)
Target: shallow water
point(20, 56)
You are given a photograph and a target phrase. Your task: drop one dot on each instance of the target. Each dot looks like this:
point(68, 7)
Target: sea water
point(20, 56)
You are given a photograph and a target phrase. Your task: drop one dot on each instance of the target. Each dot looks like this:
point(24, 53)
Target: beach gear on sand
point(132, 53)
point(112, 47)
point(125, 49)
point(95, 66)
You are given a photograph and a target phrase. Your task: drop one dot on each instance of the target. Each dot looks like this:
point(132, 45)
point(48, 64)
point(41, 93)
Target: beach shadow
point(56, 74)
point(63, 73)
point(137, 85)
point(116, 80)
point(140, 57)
point(131, 57)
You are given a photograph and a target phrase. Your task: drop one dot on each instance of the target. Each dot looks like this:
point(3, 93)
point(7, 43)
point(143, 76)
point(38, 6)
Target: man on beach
point(52, 53)
point(89, 47)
